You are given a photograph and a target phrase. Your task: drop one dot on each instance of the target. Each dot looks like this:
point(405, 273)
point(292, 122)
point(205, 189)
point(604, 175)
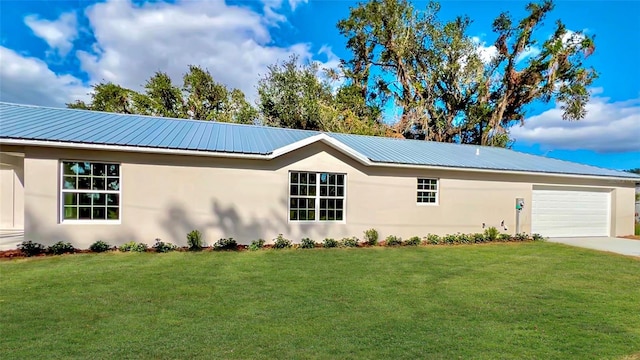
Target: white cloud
point(608, 127)
point(529, 52)
point(134, 41)
point(293, 4)
point(29, 80)
point(58, 34)
point(486, 53)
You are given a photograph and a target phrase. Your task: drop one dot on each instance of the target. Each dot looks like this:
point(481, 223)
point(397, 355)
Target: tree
point(293, 95)
point(434, 73)
point(200, 97)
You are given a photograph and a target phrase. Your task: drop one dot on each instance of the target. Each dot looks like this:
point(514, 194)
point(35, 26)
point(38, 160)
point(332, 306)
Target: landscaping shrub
point(349, 242)
point(537, 237)
point(450, 239)
point(371, 237)
point(478, 238)
point(225, 244)
point(256, 244)
point(194, 240)
point(491, 234)
point(100, 246)
point(163, 247)
point(413, 241)
point(521, 237)
point(307, 243)
point(465, 239)
point(133, 246)
point(280, 242)
point(504, 237)
point(30, 248)
point(60, 248)
point(433, 239)
point(393, 240)
point(330, 243)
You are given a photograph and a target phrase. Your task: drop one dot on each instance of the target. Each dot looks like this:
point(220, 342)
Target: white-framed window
point(427, 191)
point(316, 196)
point(89, 191)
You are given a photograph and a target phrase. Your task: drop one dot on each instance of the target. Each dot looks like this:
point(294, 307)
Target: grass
point(507, 301)
point(637, 231)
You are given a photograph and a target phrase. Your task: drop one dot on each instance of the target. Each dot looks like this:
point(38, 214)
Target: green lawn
point(502, 301)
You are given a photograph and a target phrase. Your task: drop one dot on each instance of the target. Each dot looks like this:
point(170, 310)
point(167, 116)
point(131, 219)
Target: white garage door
point(564, 213)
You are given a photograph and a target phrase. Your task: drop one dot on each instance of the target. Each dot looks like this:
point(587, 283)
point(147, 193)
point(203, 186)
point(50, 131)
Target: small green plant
point(225, 244)
point(280, 242)
point(194, 240)
point(30, 248)
point(413, 241)
point(393, 240)
point(371, 237)
point(450, 239)
point(465, 239)
point(60, 248)
point(521, 237)
point(504, 237)
point(133, 246)
point(478, 238)
point(349, 242)
point(330, 243)
point(163, 247)
point(433, 239)
point(537, 237)
point(99, 246)
point(307, 243)
point(491, 233)
point(256, 245)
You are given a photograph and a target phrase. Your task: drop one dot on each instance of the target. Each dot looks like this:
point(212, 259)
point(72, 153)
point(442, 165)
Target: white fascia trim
point(69, 145)
point(294, 146)
point(327, 140)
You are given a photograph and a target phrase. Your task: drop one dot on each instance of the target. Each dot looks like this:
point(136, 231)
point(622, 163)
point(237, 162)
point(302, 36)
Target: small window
point(90, 191)
point(427, 191)
point(316, 196)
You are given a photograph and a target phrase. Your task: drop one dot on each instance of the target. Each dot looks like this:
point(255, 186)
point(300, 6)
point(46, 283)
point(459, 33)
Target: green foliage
point(521, 237)
point(307, 243)
point(256, 244)
point(194, 240)
point(163, 247)
point(538, 237)
point(133, 246)
point(371, 237)
point(200, 98)
point(504, 237)
point(433, 72)
point(491, 233)
point(225, 244)
point(30, 248)
point(99, 246)
point(478, 238)
point(330, 243)
point(450, 239)
point(393, 240)
point(464, 238)
point(280, 242)
point(433, 239)
point(413, 241)
point(349, 242)
point(60, 248)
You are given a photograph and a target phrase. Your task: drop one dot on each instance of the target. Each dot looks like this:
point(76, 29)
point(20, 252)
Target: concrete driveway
point(611, 244)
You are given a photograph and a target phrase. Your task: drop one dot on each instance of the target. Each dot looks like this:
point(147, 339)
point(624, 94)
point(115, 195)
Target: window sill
point(428, 204)
point(90, 222)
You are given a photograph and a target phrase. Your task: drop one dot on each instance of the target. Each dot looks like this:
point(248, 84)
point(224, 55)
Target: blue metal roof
point(91, 127)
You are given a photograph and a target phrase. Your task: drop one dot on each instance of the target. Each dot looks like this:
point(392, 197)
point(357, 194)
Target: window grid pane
point(427, 191)
point(316, 196)
point(90, 191)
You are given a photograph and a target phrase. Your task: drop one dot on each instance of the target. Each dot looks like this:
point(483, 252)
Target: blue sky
point(51, 52)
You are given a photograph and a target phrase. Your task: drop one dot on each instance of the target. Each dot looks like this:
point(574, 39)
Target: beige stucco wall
point(11, 192)
point(165, 196)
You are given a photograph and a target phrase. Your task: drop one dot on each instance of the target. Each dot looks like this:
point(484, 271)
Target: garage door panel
point(558, 213)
